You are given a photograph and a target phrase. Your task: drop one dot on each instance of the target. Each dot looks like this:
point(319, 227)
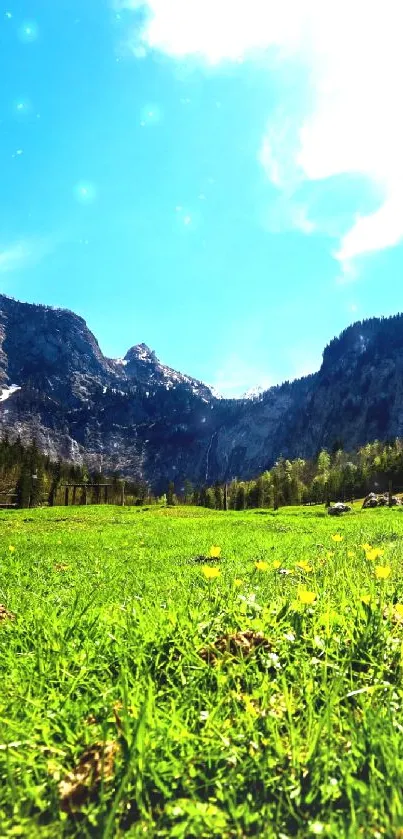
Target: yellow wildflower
point(337, 538)
point(304, 565)
point(397, 613)
point(307, 597)
point(262, 565)
point(215, 552)
point(374, 553)
point(366, 547)
point(350, 554)
point(250, 706)
point(238, 582)
point(366, 598)
point(276, 564)
point(210, 573)
point(382, 572)
point(11, 548)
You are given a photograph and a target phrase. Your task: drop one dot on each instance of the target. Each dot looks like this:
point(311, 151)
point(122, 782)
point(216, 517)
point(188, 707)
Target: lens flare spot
point(151, 115)
point(85, 192)
point(28, 32)
point(22, 107)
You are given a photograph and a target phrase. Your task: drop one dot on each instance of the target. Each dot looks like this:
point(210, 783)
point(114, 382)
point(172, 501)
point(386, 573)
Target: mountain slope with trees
point(138, 417)
point(331, 476)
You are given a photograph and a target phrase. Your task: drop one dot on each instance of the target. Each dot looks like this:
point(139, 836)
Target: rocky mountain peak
point(141, 352)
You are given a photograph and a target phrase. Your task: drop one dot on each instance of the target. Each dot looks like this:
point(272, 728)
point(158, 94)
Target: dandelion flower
point(11, 548)
point(238, 582)
point(262, 565)
point(215, 552)
point(307, 597)
point(382, 572)
point(374, 553)
point(399, 610)
point(276, 564)
point(366, 598)
point(366, 547)
point(210, 573)
point(304, 565)
point(337, 538)
point(350, 554)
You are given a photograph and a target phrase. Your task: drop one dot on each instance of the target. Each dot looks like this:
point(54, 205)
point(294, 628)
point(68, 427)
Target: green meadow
point(152, 689)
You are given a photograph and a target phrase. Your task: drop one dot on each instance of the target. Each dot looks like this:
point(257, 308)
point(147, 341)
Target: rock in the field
point(370, 500)
point(338, 509)
point(373, 500)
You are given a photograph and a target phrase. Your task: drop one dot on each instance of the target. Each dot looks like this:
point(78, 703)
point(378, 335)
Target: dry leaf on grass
point(97, 763)
point(394, 613)
point(238, 645)
point(5, 615)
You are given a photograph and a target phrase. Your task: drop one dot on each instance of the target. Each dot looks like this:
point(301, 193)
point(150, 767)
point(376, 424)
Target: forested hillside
point(338, 475)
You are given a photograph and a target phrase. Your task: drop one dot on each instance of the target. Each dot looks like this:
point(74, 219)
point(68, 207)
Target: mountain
point(143, 419)
point(253, 392)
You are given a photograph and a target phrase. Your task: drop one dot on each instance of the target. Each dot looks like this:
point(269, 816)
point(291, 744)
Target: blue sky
point(221, 181)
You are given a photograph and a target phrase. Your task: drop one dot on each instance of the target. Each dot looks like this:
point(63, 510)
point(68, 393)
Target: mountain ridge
point(140, 417)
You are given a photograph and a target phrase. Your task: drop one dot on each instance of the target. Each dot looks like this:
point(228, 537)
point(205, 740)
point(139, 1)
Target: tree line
point(28, 478)
point(331, 476)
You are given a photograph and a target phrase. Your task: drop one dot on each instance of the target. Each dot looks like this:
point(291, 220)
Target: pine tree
point(210, 499)
point(188, 492)
point(240, 500)
point(260, 492)
point(171, 500)
point(219, 497)
point(24, 486)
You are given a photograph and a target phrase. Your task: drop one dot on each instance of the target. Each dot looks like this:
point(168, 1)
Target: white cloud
point(350, 121)
point(285, 214)
point(24, 252)
point(216, 30)
point(381, 229)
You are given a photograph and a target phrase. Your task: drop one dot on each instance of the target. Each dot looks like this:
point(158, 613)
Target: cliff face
point(140, 417)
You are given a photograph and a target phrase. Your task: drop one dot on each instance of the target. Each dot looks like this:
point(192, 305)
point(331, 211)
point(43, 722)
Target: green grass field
point(139, 698)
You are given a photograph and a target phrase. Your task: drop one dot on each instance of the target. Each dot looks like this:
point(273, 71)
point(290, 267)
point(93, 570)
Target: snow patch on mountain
point(8, 391)
point(253, 392)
